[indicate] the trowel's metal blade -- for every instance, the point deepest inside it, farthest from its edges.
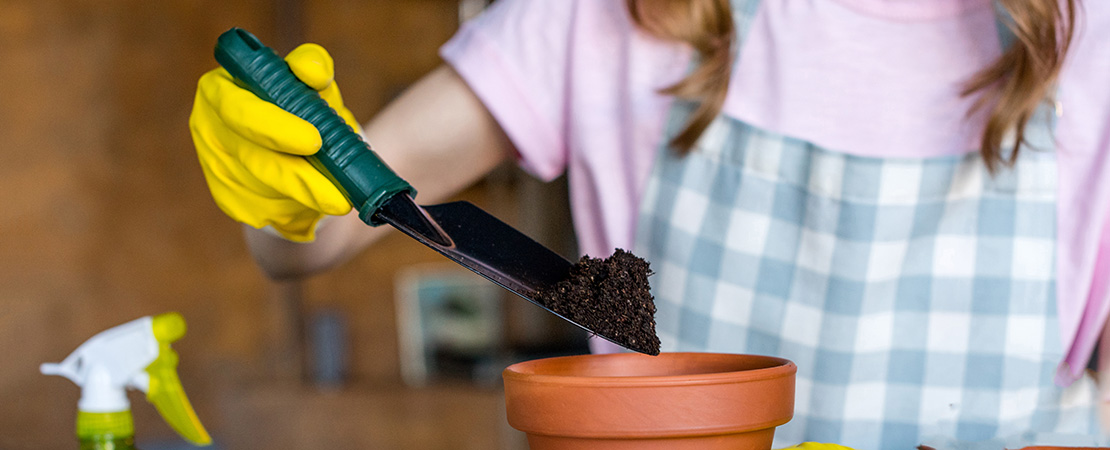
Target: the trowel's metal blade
(479, 241)
(491, 248)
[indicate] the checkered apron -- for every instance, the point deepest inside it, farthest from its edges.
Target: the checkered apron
(916, 296)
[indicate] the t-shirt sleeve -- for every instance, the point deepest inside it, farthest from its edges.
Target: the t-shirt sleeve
(515, 57)
(1083, 134)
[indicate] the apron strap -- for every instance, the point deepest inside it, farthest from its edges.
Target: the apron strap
(1040, 131)
(1005, 35)
(743, 14)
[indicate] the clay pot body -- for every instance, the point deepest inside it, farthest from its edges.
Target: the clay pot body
(673, 401)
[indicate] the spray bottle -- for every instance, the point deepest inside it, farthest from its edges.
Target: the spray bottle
(134, 355)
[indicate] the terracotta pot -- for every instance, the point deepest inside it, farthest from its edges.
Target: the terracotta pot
(703, 401)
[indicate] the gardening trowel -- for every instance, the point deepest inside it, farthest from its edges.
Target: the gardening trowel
(458, 230)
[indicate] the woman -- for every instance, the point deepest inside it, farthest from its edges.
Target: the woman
(882, 192)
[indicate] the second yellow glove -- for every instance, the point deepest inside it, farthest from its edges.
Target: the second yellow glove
(252, 151)
(817, 446)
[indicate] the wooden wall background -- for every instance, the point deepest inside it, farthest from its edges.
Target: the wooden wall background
(105, 217)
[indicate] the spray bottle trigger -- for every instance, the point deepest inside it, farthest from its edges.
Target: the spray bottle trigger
(165, 390)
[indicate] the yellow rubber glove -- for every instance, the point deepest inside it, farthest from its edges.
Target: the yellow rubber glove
(252, 151)
(816, 446)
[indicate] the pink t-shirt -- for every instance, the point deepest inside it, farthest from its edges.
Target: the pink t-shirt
(575, 86)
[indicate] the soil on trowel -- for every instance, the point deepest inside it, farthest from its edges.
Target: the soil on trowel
(610, 297)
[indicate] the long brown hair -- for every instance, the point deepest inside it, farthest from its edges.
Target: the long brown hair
(1011, 88)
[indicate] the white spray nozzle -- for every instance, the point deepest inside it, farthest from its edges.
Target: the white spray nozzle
(134, 355)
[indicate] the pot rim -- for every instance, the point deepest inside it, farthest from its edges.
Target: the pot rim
(782, 367)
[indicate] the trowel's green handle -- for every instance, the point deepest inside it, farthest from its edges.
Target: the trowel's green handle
(344, 158)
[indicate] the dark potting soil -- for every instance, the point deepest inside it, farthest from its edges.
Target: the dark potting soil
(610, 297)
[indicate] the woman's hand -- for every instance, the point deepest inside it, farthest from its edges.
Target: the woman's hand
(252, 151)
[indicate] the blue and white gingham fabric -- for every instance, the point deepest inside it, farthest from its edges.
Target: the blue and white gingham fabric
(916, 296)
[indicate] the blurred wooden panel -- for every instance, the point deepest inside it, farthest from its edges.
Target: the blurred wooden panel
(104, 215)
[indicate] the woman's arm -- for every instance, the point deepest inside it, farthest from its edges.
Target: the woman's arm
(437, 135)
